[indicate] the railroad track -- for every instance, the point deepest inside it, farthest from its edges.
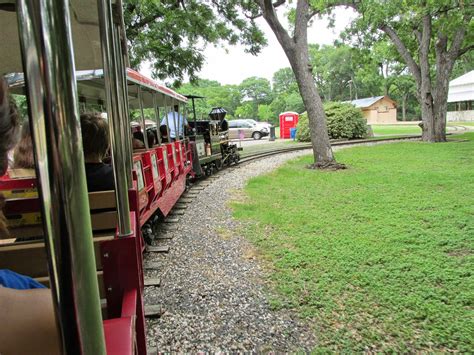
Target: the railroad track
(168, 228)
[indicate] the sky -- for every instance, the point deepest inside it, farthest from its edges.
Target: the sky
(233, 66)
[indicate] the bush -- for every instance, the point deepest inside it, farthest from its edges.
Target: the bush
(343, 120)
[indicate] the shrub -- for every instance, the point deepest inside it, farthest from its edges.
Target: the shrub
(302, 129)
(343, 120)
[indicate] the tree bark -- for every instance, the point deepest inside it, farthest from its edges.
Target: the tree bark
(296, 49)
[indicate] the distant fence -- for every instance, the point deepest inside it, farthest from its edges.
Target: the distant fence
(454, 116)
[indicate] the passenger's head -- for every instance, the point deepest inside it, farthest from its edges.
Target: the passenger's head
(95, 137)
(9, 125)
(150, 137)
(23, 155)
(176, 108)
(163, 130)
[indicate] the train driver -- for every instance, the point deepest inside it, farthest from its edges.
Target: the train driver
(175, 132)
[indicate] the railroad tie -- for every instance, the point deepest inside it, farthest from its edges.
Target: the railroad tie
(152, 282)
(177, 213)
(154, 311)
(152, 266)
(172, 220)
(157, 249)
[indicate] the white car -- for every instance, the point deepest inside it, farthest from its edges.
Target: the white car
(263, 126)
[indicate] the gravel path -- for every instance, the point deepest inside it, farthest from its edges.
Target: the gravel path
(213, 291)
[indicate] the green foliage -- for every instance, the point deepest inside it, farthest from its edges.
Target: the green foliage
(265, 113)
(284, 81)
(172, 35)
(22, 106)
(343, 121)
(226, 96)
(303, 134)
(246, 110)
(381, 255)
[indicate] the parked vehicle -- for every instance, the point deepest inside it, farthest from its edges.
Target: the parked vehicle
(239, 129)
(264, 125)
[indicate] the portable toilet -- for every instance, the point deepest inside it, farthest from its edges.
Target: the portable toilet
(288, 120)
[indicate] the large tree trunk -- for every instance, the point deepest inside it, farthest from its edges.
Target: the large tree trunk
(322, 150)
(296, 49)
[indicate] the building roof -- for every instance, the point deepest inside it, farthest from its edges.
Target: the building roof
(462, 88)
(363, 103)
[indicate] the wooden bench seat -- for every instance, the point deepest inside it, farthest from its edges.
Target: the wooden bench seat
(24, 216)
(28, 257)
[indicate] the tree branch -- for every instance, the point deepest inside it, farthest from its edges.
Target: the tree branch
(464, 50)
(301, 21)
(348, 3)
(403, 51)
(456, 43)
(275, 5)
(269, 14)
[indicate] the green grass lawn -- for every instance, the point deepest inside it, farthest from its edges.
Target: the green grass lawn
(378, 257)
(380, 130)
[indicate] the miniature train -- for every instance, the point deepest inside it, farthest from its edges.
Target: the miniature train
(88, 247)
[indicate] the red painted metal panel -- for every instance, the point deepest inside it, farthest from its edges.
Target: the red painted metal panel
(122, 263)
(129, 303)
(120, 336)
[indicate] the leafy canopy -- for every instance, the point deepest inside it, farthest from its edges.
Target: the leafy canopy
(172, 35)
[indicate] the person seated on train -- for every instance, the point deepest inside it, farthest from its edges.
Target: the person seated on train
(26, 311)
(164, 133)
(23, 152)
(150, 137)
(175, 132)
(95, 142)
(138, 141)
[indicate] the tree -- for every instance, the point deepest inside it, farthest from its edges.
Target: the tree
(171, 35)
(246, 110)
(284, 81)
(265, 113)
(256, 91)
(429, 37)
(215, 94)
(296, 50)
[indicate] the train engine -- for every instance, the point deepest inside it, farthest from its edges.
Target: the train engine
(213, 148)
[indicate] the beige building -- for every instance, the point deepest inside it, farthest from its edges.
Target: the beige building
(378, 109)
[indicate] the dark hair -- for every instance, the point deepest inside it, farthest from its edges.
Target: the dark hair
(163, 130)
(23, 154)
(95, 135)
(150, 137)
(9, 125)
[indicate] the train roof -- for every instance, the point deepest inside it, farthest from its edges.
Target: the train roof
(85, 36)
(91, 87)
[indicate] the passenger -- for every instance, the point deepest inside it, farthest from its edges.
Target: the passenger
(150, 137)
(95, 141)
(138, 141)
(23, 153)
(180, 120)
(25, 313)
(164, 134)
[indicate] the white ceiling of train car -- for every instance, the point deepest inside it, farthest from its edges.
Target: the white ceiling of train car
(85, 33)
